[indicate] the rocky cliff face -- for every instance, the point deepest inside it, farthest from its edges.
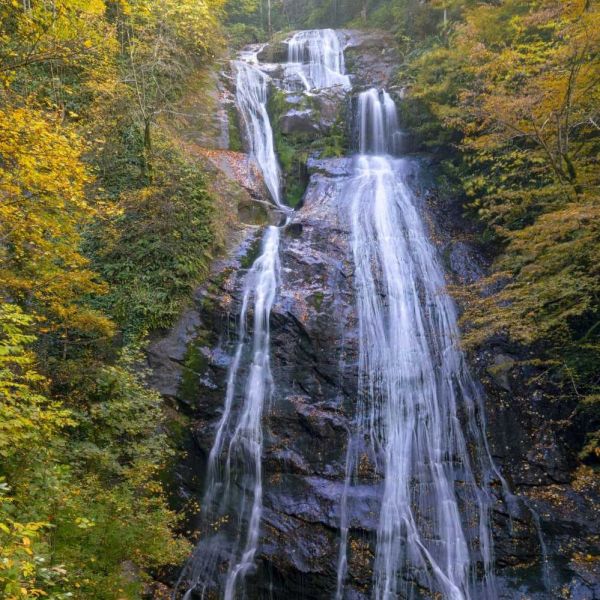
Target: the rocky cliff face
(314, 363)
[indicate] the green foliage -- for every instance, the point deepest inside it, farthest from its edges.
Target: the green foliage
(157, 246)
(507, 96)
(27, 418)
(116, 511)
(104, 225)
(92, 500)
(23, 557)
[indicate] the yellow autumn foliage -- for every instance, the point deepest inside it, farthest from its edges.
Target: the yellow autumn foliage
(44, 206)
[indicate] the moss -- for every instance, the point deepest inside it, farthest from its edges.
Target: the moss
(277, 104)
(292, 151)
(248, 259)
(295, 193)
(336, 143)
(235, 137)
(317, 300)
(295, 149)
(194, 363)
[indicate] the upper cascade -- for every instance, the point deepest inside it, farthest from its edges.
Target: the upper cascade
(251, 98)
(316, 59)
(378, 123)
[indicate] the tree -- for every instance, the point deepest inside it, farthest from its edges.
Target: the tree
(29, 423)
(161, 42)
(50, 36)
(542, 89)
(44, 206)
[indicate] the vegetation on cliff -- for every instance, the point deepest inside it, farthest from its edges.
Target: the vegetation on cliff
(105, 227)
(507, 95)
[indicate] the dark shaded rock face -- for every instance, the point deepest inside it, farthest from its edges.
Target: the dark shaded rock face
(298, 121)
(371, 57)
(314, 353)
(533, 446)
(314, 362)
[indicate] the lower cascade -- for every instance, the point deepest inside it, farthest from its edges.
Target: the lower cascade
(414, 385)
(234, 472)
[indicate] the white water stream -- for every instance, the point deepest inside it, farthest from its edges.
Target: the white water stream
(234, 472)
(251, 97)
(246, 436)
(234, 487)
(414, 389)
(316, 59)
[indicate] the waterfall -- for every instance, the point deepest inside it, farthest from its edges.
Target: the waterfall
(251, 98)
(234, 484)
(414, 388)
(378, 123)
(245, 445)
(234, 488)
(316, 58)
(418, 426)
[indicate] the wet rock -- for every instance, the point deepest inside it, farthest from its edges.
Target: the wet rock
(166, 355)
(298, 122)
(466, 262)
(202, 116)
(275, 52)
(330, 167)
(256, 213)
(500, 370)
(372, 57)
(328, 105)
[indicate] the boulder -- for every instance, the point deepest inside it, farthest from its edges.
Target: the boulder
(295, 122)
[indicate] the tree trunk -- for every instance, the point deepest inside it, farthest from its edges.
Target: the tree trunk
(147, 159)
(269, 22)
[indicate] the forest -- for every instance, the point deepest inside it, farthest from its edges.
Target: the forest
(111, 218)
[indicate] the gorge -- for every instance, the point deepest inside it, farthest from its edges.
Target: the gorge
(299, 299)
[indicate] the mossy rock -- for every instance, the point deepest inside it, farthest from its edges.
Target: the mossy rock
(253, 213)
(295, 145)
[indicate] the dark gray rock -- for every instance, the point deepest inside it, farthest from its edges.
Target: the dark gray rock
(298, 122)
(371, 57)
(327, 105)
(275, 52)
(465, 262)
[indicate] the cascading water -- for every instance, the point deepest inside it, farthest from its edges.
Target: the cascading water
(239, 436)
(378, 123)
(316, 58)
(234, 473)
(251, 98)
(414, 385)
